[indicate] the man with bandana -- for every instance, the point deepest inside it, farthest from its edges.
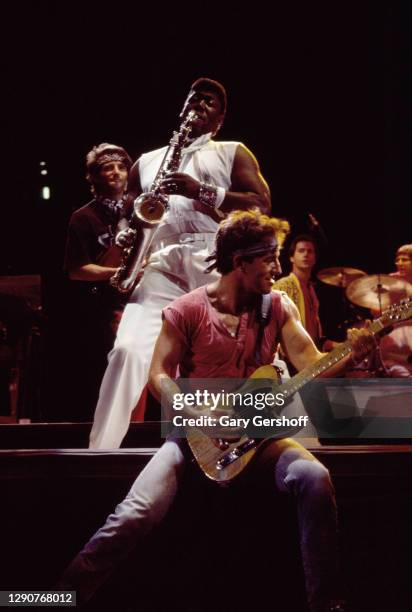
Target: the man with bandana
(213, 332)
(93, 227)
(94, 306)
(214, 178)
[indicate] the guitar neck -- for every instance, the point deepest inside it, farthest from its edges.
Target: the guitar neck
(326, 362)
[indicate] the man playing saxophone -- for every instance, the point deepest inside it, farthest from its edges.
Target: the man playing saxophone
(213, 178)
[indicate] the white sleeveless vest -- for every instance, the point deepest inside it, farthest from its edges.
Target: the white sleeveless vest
(207, 161)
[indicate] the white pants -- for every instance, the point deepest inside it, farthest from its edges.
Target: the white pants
(172, 271)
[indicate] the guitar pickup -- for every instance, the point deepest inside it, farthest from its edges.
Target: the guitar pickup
(234, 454)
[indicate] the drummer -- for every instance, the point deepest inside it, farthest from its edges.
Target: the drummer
(396, 347)
(403, 263)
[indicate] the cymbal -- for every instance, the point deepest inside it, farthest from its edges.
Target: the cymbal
(339, 277)
(378, 290)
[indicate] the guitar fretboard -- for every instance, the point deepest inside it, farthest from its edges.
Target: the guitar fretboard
(326, 362)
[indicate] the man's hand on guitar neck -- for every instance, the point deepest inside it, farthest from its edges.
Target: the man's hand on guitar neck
(362, 342)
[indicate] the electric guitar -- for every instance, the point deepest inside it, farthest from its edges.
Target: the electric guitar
(222, 465)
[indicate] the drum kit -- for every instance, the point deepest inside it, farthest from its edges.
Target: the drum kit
(376, 291)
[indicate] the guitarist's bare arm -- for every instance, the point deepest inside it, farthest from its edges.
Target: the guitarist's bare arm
(168, 352)
(302, 352)
(296, 342)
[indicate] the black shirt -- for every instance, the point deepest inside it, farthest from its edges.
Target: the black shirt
(91, 232)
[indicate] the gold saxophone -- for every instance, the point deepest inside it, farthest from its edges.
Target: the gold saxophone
(148, 211)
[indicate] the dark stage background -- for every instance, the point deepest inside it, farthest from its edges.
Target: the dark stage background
(318, 93)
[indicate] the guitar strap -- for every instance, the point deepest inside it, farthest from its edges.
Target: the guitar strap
(263, 318)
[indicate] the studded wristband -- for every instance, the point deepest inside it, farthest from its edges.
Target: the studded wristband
(208, 195)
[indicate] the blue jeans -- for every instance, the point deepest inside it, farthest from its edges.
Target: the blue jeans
(293, 469)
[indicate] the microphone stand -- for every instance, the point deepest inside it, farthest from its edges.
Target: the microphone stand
(316, 227)
(379, 291)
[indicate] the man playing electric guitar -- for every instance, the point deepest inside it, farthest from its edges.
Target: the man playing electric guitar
(215, 332)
